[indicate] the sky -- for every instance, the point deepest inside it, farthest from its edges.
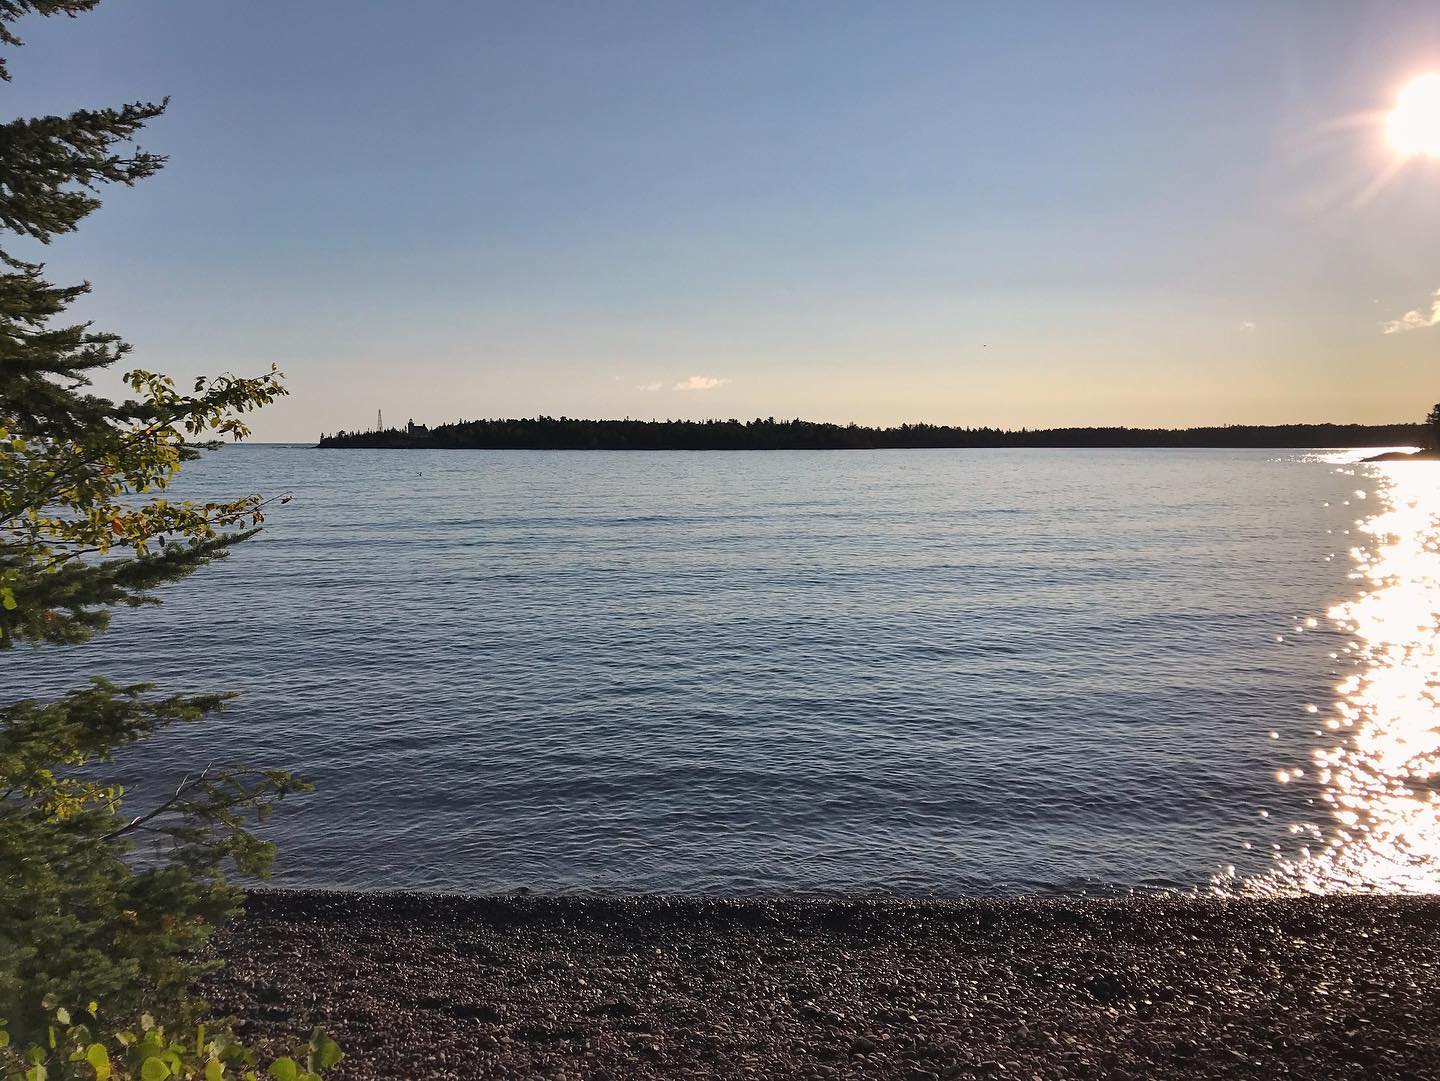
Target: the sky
(1017, 214)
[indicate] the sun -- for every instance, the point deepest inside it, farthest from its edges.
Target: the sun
(1414, 124)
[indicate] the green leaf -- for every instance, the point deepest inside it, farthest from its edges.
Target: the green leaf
(4, 1038)
(152, 1069)
(214, 1070)
(285, 1069)
(326, 1051)
(62, 1015)
(99, 1059)
(151, 1045)
(36, 1073)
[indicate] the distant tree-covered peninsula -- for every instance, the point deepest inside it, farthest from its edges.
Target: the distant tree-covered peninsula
(570, 433)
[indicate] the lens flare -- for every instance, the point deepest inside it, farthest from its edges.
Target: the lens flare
(1414, 124)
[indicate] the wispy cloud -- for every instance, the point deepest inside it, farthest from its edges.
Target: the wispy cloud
(1415, 319)
(650, 388)
(1247, 325)
(701, 382)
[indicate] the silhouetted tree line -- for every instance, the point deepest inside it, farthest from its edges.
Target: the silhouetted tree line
(568, 433)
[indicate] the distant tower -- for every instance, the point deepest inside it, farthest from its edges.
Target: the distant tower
(379, 421)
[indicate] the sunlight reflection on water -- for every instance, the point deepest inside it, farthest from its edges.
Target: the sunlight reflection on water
(1376, 764)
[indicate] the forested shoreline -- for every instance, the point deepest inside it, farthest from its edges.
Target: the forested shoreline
(568, 433)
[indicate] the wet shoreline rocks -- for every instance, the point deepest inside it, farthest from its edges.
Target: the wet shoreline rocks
(567, 988)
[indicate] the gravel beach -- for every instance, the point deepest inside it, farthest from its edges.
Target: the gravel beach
(429, 986)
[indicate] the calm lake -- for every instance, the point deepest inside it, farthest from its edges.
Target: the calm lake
(948, 672)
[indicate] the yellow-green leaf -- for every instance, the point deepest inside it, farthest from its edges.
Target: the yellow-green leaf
(99, 1060)
(325, 1050)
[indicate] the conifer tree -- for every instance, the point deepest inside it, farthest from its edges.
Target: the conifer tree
(85, 527)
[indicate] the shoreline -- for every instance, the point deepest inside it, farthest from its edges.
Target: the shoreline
(1277, 447)
(1406, 456)
(575, 433)
(602, 989)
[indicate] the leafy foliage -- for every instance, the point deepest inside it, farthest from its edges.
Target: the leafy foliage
(75, 918)
(85, 527)
(82, 1049)
(72, 461)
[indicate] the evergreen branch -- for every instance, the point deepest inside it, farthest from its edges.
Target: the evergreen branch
(10, 10)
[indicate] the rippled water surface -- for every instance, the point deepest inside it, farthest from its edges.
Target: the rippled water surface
(947, 672)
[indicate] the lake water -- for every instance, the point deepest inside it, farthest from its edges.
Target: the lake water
(947, 672)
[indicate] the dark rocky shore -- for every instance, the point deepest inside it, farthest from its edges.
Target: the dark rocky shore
(423, 986)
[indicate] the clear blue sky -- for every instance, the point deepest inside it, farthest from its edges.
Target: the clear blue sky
(1008, 213)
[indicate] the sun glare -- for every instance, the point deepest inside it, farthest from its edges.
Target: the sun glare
(1414, 124)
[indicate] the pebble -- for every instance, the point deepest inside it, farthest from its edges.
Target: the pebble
(423, 986)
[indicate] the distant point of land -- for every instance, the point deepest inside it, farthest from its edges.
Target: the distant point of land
(569, 433)
(1407, 456)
